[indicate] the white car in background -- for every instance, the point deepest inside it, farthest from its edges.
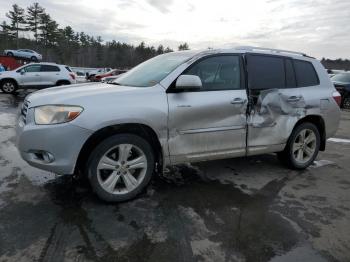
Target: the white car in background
(80, 76)
(36, 76)
(24, 53)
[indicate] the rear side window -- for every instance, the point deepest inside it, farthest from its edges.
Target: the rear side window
(32, 68)
(265, 72)
(49, 68)
(68, 69)
(305, 73)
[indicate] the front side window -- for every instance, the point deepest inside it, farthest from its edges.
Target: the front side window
(153, 70)
(32, 68)
(305, 73)
(265, 72)
(218, 72)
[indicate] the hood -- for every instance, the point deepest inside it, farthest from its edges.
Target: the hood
(81, 94)
(7, 73)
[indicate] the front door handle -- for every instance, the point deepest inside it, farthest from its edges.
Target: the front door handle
(294, 98)
(237, 101)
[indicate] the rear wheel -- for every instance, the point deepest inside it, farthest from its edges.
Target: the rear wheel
(9, 54)
(8, 86)
(120, 167)
(34, 59)
(302, 147)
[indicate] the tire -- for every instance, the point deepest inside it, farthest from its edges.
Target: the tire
(62, 83)
(110, 173)
(8, 86)
(346, 103)
(9, 54)
(34, 59)
(299, 153)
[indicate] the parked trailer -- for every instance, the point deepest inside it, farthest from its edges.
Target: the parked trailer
(11, 63)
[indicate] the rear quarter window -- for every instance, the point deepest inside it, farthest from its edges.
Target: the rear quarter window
(68, 69)
(305, 73)
(49, 68)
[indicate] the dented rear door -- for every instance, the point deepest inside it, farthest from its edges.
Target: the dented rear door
(275, 102)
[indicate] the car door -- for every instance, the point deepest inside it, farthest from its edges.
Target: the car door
(275, 102)
(22, 53)
(209, 123)
(30, 75)
(49, 74)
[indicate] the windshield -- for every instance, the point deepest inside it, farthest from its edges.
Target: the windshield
(153, 70)
(344, 78)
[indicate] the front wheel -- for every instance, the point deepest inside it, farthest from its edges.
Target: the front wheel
(302, 147)
(8, 87)
(120, 167)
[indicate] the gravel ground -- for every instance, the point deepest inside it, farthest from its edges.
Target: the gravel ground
(244, 209)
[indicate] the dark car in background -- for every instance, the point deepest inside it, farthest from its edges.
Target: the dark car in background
(342, 84)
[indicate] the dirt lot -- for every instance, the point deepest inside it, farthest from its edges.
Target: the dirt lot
(245, 209)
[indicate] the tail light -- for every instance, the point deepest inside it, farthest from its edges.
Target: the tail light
(337, 97)
(72, 76)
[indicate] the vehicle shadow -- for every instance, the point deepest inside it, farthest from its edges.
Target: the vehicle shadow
(186, 214)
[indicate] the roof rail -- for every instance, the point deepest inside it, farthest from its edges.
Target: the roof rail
(253, 48)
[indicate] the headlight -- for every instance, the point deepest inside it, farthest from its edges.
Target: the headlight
(56, 114)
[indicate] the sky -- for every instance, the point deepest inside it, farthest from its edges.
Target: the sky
(319, 28)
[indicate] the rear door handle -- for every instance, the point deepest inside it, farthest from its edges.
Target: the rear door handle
(237, 101)
(294, 98)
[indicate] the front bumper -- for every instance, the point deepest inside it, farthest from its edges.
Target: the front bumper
(61, 142)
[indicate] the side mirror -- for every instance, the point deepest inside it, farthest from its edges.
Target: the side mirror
(188, 82)
(22, 71)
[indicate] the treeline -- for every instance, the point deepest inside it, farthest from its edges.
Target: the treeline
(33, 28)
(339, 64)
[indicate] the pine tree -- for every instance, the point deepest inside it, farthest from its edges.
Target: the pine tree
(33, 18)
(183, 47)
(168, 50)
(68, 33)
(48, 30)
(17, 19)
(160, 49)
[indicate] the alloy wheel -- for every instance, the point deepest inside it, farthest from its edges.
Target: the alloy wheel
(304, 146)
(8, 87)
(122, 169)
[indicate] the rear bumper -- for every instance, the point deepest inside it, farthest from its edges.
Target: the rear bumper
(61, 142)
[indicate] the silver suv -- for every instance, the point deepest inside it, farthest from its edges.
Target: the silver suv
(36, 75)
(181, 107)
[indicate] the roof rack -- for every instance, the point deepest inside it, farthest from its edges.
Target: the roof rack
(253, 48)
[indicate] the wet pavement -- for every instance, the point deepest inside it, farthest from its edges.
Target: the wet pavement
(244, 209)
